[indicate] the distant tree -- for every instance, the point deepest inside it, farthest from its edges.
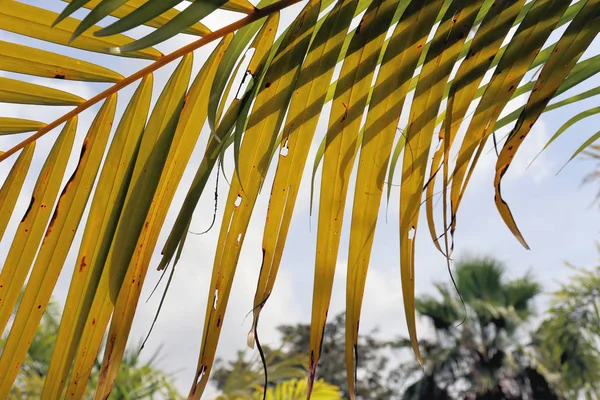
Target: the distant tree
(478, 355)
(374, 376)
(240, 378)
(244, 378)
(568, 340)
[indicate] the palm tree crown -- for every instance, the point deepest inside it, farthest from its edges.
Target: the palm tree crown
(478, 350)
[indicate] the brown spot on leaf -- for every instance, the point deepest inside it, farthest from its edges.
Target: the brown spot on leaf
(59, 76)
(82, 264)
(345, 113)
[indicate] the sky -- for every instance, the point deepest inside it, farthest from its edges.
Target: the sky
(555, 212)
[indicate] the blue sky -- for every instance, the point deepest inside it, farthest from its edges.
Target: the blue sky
(555, 213)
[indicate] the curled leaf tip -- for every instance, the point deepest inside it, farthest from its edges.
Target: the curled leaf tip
(504, 210)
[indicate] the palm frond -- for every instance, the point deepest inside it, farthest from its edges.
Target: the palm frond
(400, 50)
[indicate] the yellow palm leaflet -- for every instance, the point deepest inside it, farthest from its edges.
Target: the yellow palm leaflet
(241, 6)
(531, 34)
(263, 125)
(190, 15)
(55, 246)
(261, 59)
(393, 162)
(14, 91)
(262, 43)
(151, 157)
(190, 122)
(98, 234)
(11, 188)
(29, 60)
(9, 126)
(37, 23)
(303, 114)
(144, 13)
(130, 5)
(31, 228)
(350, 100)
(227, 89)
(578, 36)
(463, 89)
(440, 59)
(212, 153)
(389, 93)
(224, 74)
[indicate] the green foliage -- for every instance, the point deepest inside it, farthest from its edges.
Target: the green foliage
(568, 339)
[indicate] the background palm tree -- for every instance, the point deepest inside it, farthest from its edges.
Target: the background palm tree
(291, 86)
(480, 354)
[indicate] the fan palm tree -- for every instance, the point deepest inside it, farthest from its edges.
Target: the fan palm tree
(288, 86)
(479, 355)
